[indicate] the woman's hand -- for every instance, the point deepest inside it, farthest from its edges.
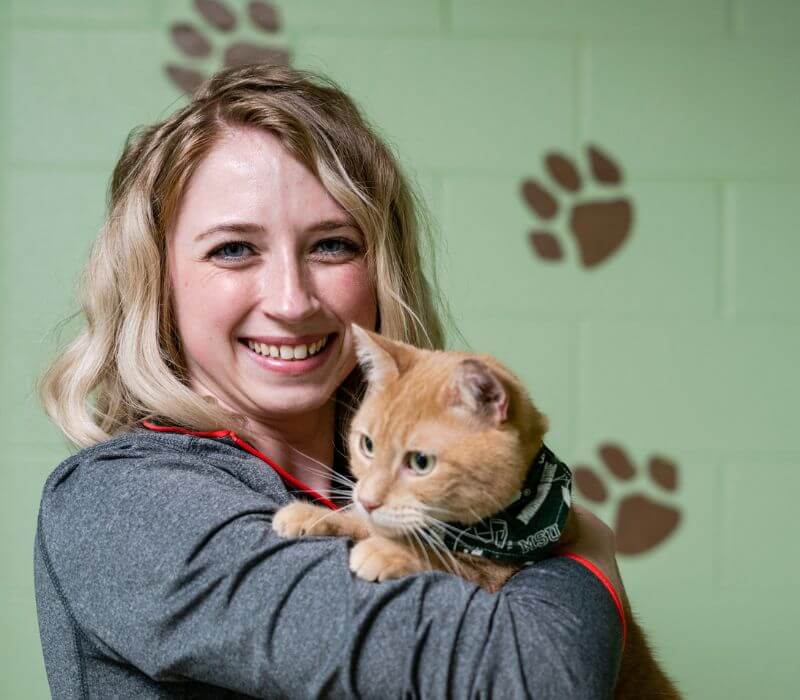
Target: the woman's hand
(596, 542)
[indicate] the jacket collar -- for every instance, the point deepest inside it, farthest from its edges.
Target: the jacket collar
(288, 478)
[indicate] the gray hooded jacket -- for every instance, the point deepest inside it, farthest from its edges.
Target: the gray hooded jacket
(157, 575)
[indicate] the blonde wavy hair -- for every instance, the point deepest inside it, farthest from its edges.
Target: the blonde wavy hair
(126, 363)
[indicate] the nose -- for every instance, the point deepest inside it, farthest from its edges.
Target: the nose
(368, 505)
(288, 291)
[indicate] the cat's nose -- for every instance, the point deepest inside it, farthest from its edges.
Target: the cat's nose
(369, 506)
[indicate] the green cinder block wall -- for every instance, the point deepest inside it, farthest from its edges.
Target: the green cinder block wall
(647, 294)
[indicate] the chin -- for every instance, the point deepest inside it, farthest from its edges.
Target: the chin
(291, 403)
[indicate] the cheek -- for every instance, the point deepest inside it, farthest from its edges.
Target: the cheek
(349, 293)
(432, 491)
(357, 462)
(207, 303)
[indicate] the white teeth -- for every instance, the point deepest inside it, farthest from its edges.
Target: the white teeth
(288, 352)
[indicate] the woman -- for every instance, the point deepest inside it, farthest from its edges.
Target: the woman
(244, 234)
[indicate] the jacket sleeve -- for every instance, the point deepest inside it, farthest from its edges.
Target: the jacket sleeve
(170, 565)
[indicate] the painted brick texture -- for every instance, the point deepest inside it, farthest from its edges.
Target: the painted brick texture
(679, 346)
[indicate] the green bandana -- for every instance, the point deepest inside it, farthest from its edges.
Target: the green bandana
(524, 531)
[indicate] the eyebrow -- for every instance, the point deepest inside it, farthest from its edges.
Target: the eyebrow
(246, 228)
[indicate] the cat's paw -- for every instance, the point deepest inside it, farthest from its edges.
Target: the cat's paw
(381, 559)
(298, 519)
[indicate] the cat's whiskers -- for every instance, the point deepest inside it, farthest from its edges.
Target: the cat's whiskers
(438, 546)
(340, 497)
(326, 471)
(447, 560)
(435, 538)
(343, 509)
(335, 478)
(421, 535)
(473, 514)
(438, 526)
(395, 518)
(432, 511)
(442, 525)
(457, 516)
(344, 493)
(492, 498)
(422, 548)
(349, 406)
(434, 526)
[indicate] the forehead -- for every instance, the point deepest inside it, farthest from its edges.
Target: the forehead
(415, 407)
(249, 175)
(401, 425)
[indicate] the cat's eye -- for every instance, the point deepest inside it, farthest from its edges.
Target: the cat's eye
(366, 445)
(420, 463)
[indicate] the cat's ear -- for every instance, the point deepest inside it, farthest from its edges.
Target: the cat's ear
(477, 388)
(378, 356)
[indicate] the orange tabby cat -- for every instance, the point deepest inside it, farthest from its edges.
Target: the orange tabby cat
(443, 441)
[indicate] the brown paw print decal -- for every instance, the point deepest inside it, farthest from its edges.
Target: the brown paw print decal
(599, 226)
(220, 23)
(640, 523)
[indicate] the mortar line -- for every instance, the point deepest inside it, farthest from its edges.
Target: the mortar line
(446, 17)
(726, 260)
(575, 384)
(583, 93)
(735, 19)
(5, 176)
(717, 516)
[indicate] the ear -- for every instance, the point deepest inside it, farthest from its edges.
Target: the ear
(477, 388)
(375, 357)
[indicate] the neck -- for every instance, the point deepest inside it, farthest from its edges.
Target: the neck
(302, 444)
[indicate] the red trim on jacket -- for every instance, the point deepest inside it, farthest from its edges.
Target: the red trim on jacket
(609, 587)
(286, 476)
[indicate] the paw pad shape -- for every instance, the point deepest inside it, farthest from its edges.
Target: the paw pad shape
(195, 42)
(600, 226)
(640, 523)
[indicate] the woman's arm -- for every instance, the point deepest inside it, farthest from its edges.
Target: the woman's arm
(169, 564)
(595, 542)
(640, 675)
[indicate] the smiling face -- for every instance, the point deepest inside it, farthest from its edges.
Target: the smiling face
(262, 258)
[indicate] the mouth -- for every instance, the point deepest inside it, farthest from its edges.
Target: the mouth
(389, 522)
(290, 359)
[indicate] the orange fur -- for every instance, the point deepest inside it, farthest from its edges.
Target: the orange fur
(474, 416)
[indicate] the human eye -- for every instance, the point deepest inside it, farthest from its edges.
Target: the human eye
(337, 248)
(232, 251)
